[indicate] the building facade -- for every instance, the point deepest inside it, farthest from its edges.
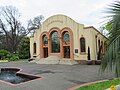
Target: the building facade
(61, 36)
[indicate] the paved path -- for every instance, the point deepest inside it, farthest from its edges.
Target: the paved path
(55, 77)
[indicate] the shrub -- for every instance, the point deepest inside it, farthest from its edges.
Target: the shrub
(4, 54)
(24, 48)
(13, 57)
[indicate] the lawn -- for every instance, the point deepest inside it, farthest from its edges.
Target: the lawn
(101, 85)
(3, 61)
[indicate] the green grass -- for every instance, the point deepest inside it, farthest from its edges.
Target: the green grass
(3, 61)
(101, 85)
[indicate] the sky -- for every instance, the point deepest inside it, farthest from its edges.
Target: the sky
(87, 12)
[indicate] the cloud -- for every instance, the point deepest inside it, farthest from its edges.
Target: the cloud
(88, 12)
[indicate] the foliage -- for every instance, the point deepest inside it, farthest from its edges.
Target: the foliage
(111, 59)
(101, 85)
(14, 57)
(35, 23)
(11, 28)
(24, 48)
(114, 20)
(108, 26)
(3, 54)
(89, 58)
(2, 46)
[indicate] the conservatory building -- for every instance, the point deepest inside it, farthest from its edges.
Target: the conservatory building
(60, 38)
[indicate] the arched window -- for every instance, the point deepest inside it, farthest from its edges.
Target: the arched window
(34, 48)
(55, 42)
(66, 37)
(45, 40)
(82, 44)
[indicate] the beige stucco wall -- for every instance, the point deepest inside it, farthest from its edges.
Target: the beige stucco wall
(62, 21)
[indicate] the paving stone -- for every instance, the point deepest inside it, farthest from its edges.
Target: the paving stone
(55, 77)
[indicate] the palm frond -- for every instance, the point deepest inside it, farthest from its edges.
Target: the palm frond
(111, 59)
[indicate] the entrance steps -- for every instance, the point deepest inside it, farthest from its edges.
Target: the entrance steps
(49, 60)
(55, 60)
(68, 61)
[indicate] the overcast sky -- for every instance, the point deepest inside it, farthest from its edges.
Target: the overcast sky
(88, 12)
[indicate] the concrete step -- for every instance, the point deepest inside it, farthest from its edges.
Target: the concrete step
(55, 60)
(49, 60)
(68, 62)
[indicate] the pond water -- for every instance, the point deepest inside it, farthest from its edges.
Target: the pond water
(11, 75)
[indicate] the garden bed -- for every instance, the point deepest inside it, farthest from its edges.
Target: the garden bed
(100, 85)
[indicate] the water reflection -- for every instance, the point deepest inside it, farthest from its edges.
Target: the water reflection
(11, 75)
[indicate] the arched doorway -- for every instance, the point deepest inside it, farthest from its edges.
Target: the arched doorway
(45, 46)
(57, 42)
(66, 44)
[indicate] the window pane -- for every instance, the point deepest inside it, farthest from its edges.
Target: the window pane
(55, 41)
(82, 45)
(45, 40)
(66, 37)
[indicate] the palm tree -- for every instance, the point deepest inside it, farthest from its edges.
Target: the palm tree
(111, 59)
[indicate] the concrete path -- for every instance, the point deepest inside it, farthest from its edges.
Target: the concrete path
(55, 77)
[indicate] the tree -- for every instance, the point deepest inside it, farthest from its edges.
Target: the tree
(24, 48)
(12, 29)
(89, 58)
(111, 59)
(35, 23)
(106, 28)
